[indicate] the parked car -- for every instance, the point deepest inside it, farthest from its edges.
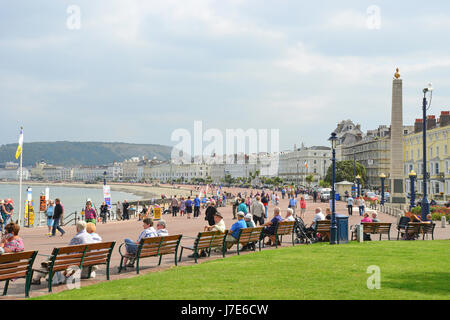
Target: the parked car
(372, 196)
(325, 195)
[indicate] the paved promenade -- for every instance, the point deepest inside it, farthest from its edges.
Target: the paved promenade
(35, 239)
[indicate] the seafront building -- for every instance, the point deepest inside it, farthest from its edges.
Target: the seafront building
(438, 164)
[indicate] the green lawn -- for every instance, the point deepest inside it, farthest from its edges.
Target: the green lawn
(409, 270)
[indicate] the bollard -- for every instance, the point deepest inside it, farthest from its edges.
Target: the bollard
(359, 233)
(443, 220)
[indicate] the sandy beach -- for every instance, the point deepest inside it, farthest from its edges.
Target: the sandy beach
(145, 191)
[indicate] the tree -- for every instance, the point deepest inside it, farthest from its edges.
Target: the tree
(324, 184)
(344, 172)
(309, 179)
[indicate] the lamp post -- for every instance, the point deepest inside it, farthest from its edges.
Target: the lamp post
(382, 177)
(412, 177)
(104, 178)
(333, 227)
(425, 206)
(358, 182)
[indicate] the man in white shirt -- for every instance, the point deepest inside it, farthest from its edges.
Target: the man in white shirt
(161, 228)
(131, 246)
(318, 217)
(219, 223)
(289, 215)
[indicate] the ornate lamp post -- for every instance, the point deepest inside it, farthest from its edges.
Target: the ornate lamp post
(412, 178)
(382, 177)
(425, 205)
(333, 227)
(358, 182)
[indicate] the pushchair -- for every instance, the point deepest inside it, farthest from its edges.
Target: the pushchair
(301, 232)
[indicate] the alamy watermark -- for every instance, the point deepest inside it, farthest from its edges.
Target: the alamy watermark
(373, 17)
(374, 281)
(73, 21)
(234, 146)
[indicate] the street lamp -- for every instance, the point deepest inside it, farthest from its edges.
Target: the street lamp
(104, 178)
(333, 227)
(382, 177)
(358, 182)
(412, 177)
(425, 206)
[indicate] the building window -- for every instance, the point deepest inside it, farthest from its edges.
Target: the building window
(437, 151)
(437, 167)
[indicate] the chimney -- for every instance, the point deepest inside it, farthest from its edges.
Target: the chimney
(418, 125)
(445, 118)
(431, 122)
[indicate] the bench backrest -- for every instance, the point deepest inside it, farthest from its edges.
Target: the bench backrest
(376, 227)
(16, 265)
(98, 253)
(323, 226)
(250, 234)
(210, 239)
(285, 227)
(155, 246)
(65, 257)
(428, 227)
(403, 222)
(413, 227)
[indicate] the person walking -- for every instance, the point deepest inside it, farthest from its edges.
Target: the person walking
(361, 205)
(119, 211)
(174, 204)
(90, 214)
(188, 204)
(49, 212)
(125, 206)
(196, 207)
(265, 202)
(57, 213)
(182, 207)
(293, 204)
(302, 207)
(258, 211)
(104, 212)
(350, 205)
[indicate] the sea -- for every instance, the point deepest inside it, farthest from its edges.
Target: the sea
(73, 199)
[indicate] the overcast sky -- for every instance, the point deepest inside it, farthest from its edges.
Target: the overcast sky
(134, 71)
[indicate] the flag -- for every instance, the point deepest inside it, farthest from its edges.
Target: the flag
(306, 164)
(19, 147)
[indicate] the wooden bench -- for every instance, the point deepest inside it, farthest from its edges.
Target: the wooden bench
(61, 259)
(206, 241)
(414, 229)
(377, 228)
(428, 228)
(249, 235)
(153, 247)
(98, 254)
(78, 256)
(284, 228)
(17, 265)
(322, 227)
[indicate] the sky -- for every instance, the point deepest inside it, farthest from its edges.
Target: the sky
(137, 70)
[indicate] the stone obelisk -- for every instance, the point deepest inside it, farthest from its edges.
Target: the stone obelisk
(396, 177)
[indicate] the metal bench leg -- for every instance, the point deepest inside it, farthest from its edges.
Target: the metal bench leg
(237, 247)
(5, 290)
(181, 253)
(137, 265)
(121, 263)
(160, 258)
(107, 270)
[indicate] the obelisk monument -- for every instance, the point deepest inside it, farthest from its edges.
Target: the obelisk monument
(396, 177)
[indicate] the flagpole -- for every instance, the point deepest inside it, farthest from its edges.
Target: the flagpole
(20, 183)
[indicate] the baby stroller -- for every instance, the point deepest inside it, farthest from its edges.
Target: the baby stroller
(303, 235)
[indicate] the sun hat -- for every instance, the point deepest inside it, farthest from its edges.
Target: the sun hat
(241, 214)
(248, 216)
(218, 214)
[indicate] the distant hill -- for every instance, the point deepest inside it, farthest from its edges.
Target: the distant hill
(82, 153)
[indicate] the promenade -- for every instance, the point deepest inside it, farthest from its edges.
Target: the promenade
(35, 239)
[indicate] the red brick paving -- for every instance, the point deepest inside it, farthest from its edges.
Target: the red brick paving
(35, 239)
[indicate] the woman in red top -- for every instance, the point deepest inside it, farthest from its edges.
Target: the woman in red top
(302, 207)
(11, 242)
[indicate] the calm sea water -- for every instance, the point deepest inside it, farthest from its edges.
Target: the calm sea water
(73, 199)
